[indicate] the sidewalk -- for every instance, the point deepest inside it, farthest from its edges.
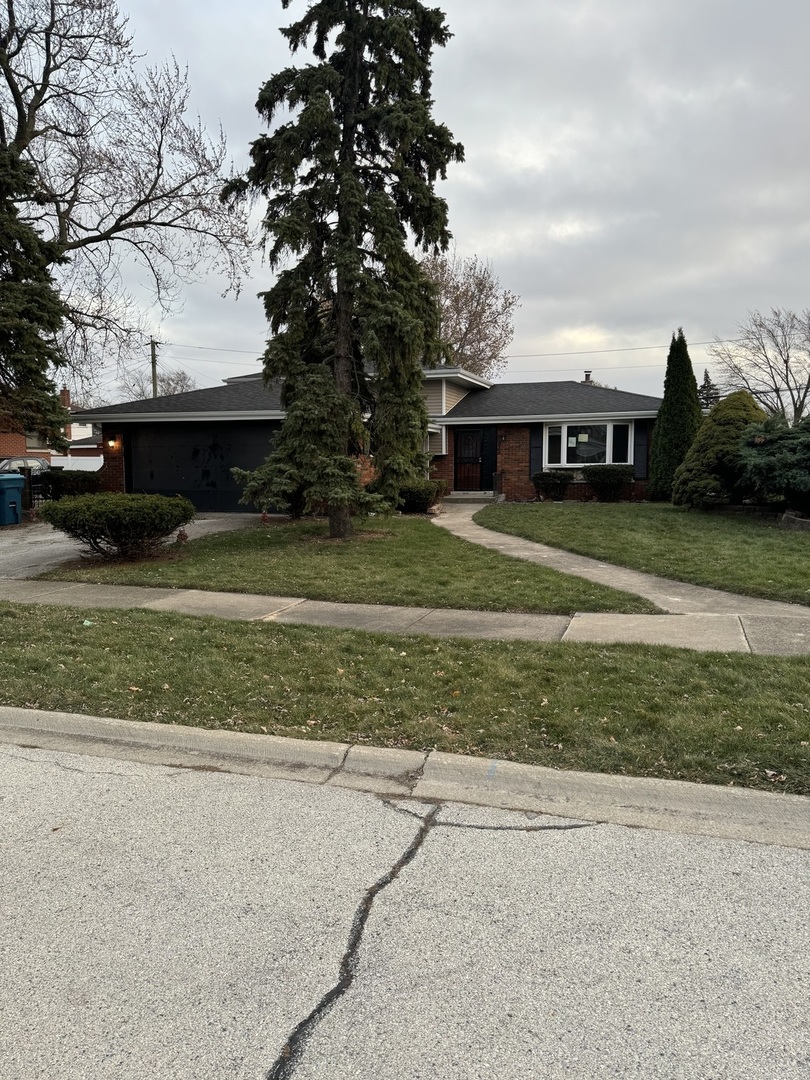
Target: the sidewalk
(696, 618)
(769, 635)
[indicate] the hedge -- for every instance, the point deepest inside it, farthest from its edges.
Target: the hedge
(121, 526)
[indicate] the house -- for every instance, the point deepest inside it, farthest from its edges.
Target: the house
(495, 437)
(84, 451)
(29, 444)
(481, 437)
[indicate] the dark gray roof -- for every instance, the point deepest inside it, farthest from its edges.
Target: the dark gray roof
(249, 396)
(550, 399)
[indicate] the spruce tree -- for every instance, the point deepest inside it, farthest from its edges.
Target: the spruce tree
(31, 314)
(678, 420)
(349, 180)
(708, 394)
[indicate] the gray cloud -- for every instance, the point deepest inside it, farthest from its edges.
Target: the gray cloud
(632, 165)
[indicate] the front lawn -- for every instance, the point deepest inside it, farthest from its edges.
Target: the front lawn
(394, 560)
(737, 554)
(626, 709)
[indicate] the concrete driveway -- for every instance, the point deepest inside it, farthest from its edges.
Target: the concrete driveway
(173, 922)
(29, 550)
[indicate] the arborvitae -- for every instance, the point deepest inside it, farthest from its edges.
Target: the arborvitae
(708, 394)
(712, 471)
(678, 420)
(349, 182)
(31, 314)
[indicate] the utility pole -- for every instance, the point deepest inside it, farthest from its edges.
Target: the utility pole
(153, 347)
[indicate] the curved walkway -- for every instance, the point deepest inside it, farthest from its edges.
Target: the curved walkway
(673, 597)
(694, 618)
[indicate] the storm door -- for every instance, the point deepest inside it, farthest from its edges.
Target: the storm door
(475, 458)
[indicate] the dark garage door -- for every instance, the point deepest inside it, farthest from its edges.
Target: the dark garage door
(195, 460)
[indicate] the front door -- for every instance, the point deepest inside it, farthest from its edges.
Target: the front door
(475, 458)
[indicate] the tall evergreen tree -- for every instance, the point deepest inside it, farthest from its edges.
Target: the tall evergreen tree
(678, 420)
(349, 182)
(31, 314)
(708, 394)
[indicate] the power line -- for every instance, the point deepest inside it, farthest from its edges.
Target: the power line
(209, 348)
(595, 352)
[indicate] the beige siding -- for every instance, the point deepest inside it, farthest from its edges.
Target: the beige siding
(454, 395)
(433, 396)
(435, 443)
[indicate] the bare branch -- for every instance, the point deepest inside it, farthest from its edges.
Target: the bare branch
(120, 164)
(476, 313)
(771, 360)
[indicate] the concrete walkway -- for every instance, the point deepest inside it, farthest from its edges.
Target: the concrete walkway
(772, 635)
(703, 619)
(673, 597)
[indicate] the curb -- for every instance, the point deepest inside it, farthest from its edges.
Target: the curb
(669, 805)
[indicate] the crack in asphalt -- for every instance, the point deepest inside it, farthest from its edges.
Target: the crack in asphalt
(290, 1055)
(287, 1061)
(567, 827)
(59, 764)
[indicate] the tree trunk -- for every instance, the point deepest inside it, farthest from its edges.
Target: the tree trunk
(340, 522)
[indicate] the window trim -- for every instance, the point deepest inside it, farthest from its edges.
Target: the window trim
(579, 422)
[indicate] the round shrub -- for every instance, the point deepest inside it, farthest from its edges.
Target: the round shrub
(116, 525)
(417, 496)
(711, 473)
(608, 481)
(553, 483)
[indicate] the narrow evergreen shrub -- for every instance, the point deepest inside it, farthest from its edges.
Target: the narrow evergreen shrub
(553, 483)
(678, 421)
(55, 484)
(776, 463)
(608, 481)
(116, 525)
(712, 472)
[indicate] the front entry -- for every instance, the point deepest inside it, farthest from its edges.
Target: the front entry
(476, 458)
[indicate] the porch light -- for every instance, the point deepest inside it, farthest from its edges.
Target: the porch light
(112, 442)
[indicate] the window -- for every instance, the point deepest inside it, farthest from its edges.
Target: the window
(588, 444)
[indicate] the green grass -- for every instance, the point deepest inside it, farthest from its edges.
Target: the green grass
(405, 561)
(737, 554)
(632, 710)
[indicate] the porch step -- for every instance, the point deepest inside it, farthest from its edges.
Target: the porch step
(472, 497)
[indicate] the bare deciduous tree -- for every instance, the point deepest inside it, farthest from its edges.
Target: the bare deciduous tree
(137, 385)
(476, 313)
(771, 360)
(123, 173)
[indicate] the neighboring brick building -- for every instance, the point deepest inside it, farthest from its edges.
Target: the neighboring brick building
(482, 436)
(29, 444)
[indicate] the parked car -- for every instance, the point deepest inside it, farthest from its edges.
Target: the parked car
(14, 464)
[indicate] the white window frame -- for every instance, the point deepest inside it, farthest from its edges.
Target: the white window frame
(564, 425)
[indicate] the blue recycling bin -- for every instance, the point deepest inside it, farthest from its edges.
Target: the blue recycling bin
(11, 496)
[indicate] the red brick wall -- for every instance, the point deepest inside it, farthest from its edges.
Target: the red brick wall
(513, 462)
(12, 445)
(513, 465)
(442, 467)
(111, 474)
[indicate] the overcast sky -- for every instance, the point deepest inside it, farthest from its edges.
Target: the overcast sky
(631, 166)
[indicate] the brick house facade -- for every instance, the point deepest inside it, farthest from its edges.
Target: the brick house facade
(482, 436)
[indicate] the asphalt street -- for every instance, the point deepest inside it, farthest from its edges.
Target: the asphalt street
(164, 921)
